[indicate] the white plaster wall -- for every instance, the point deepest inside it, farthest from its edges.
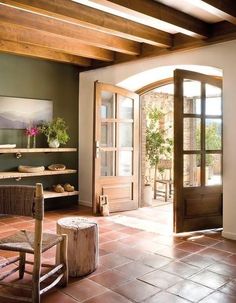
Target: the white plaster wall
(221, 56)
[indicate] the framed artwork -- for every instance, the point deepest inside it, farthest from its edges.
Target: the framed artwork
(19, 113)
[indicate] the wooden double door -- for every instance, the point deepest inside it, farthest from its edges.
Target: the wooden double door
(197, 150)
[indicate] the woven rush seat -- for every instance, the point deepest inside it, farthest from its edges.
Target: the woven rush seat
(24, 241)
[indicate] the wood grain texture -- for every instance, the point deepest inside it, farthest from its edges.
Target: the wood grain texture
(82, 245)
(95, 19)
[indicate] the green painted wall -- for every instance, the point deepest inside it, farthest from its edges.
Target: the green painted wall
(38, 79)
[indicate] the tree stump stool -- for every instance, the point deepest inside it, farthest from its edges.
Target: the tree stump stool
(82, 244)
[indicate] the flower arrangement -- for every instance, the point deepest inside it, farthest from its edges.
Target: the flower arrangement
(32, 132)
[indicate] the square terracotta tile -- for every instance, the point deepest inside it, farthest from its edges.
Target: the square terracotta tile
(165, 297)
(156, 261)
(149, 245)
(210, 279)
(83, 290)
(115, 235)
(109, 297)
(168, 240)
(203, 240)
(227, 245)
(134, 269)
(215, 254)
(190, 291)
(181, 269)
(231, 260)
(132, 253)
(218, 297)
(229, 288)
(137, 291)
(113, 260)
(131, 231)
(173, 252)
(56, 296)
(161, 279)
(223, 269)
(111, 278)
(198, 260)
(190, 247)
(113, 246)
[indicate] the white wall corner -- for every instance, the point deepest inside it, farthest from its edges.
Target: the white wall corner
(229, 235)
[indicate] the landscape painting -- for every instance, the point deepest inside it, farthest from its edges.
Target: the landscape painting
(19, 113)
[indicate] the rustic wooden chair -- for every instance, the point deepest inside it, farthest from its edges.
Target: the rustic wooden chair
(167, 182)
(28, 201)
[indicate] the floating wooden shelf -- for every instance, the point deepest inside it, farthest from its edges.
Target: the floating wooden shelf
(36, 150)
(52, 194)
(16, 175)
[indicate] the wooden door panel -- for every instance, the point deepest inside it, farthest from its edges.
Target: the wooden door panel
(118, 192)
(206, 222)
(198, 196)
(204, 205)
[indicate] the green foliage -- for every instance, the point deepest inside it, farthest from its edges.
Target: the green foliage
(56, 129)
(212, 142)
(157, 144)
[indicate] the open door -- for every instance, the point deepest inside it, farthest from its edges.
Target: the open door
(116, 147)
(197, 151)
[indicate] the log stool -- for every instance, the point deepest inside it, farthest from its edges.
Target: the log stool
(82, 244)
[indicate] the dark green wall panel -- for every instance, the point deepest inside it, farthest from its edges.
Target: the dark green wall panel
(38, 79)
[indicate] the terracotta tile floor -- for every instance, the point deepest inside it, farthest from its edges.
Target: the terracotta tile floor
(142, 261)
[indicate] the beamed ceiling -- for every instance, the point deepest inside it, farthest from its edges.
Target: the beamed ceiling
(96, 33)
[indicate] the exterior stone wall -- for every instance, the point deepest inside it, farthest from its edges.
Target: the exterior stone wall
(164, 102)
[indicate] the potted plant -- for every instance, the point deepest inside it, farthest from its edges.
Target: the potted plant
(147, 192)
(158, 145)
(56, 132)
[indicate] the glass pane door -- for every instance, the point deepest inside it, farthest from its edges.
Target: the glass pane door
(116, 146)
(197, 151)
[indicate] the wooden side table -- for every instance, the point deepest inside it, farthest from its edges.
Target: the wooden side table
(82, 244)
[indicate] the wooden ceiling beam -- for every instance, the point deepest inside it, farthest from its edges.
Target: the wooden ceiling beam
(98, 39)
(28, 50)
(153, 10)
(221, 32)
(226, 9)
(88, 17)
(67, 45)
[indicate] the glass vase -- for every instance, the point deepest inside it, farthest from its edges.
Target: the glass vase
(34, 141)
(28, 141)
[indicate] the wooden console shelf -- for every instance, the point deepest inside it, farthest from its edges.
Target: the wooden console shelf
(16, 175)
(36, 150)
(51, 194)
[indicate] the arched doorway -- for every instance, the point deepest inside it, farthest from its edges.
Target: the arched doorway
(201, 124)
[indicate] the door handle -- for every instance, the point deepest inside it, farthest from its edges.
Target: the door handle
(97, 149)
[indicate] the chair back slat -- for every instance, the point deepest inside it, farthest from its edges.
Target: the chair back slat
(20, 200)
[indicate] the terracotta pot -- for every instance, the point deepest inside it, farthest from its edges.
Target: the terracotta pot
(147, 195)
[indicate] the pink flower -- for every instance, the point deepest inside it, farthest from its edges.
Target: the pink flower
(32, 131)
